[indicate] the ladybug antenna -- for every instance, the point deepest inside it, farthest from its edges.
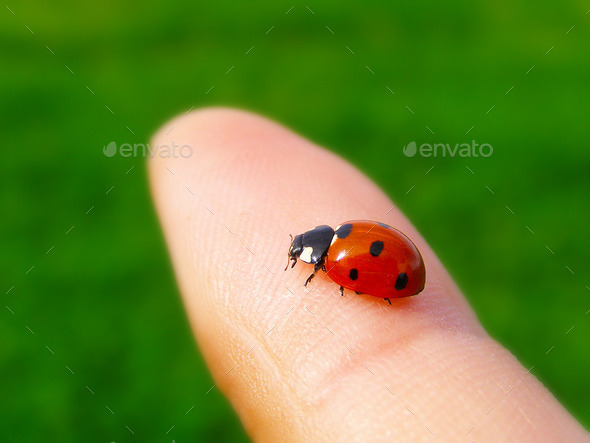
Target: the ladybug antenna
(289, 255)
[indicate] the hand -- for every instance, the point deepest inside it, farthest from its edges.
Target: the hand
(304, 364)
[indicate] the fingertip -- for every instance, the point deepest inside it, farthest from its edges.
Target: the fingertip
(293, 359)
(227, 211)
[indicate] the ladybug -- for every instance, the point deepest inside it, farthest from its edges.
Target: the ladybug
(364, 256)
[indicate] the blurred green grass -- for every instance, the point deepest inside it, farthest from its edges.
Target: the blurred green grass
(104, 300)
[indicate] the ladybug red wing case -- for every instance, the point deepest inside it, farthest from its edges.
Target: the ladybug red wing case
(375, 259)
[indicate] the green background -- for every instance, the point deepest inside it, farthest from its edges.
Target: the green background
(103, 301)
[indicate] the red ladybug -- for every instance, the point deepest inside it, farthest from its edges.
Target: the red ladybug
(365, 256)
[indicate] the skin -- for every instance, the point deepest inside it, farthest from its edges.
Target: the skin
(304, 364)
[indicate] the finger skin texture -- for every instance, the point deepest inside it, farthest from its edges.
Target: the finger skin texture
(305, 364)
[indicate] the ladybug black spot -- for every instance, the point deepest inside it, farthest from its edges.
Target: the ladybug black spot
(402, 281)
(344, 230)
(354, 274)
(376, 248)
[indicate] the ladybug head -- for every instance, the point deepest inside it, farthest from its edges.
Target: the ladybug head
(295, 249)
(311, 246)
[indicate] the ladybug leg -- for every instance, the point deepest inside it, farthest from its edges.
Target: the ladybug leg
(316, 268)
(388, 300)
(358, 293)
(289, 262)
(341, 291)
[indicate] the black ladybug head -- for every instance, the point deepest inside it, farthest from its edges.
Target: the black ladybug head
(296, 248)
(311, 246)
